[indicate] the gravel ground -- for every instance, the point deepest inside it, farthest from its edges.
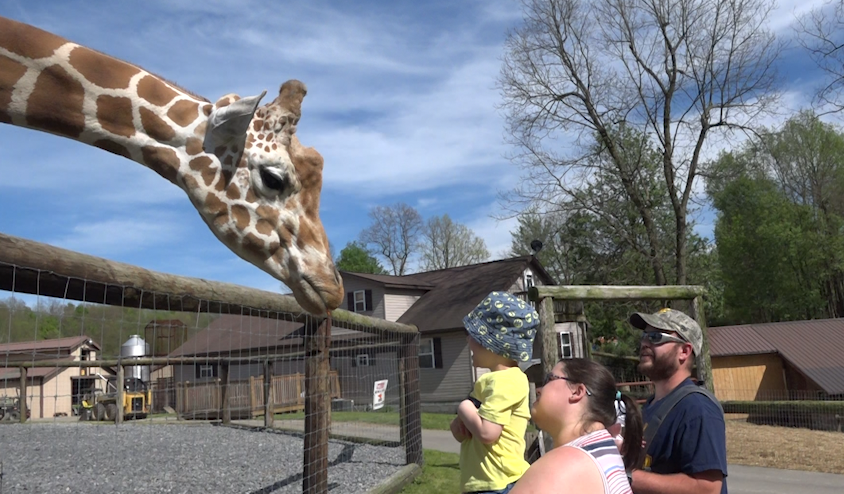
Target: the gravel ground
(202, 458)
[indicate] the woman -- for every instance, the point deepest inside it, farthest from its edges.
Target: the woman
(575, 406)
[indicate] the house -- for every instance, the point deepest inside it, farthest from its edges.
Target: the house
(778, 361)
(164, 336)
(50, 391)
(436, 302)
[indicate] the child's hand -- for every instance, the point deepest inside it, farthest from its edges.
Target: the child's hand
(459, 430)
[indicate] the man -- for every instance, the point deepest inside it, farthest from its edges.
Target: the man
(688, 453)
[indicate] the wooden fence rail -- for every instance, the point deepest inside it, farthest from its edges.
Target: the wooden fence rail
(246, 398)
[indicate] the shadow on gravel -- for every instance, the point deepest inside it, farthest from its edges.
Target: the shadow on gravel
(343, 457)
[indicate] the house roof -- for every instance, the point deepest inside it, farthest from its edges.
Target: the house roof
(165, 323)
(236, 335)
(44, 373)
(458, 290)
(815, 347)
(46, 348)
(390, 281)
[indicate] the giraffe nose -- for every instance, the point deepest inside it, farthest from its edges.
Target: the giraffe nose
(337, 277)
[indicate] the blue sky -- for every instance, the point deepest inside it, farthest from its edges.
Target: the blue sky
(401, 103)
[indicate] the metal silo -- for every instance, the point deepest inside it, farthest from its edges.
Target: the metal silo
(135, 347)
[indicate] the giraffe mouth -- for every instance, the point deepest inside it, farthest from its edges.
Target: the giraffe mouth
(311, 298)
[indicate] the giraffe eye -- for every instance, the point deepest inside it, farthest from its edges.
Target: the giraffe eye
(272, 180)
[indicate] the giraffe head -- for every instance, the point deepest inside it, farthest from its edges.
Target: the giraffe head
(263, 191)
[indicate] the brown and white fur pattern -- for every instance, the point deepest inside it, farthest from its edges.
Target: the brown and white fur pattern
(241, 165)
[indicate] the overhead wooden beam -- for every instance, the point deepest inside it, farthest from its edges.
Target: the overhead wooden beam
(602, 292)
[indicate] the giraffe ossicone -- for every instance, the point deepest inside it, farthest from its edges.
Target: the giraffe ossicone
(241, 165)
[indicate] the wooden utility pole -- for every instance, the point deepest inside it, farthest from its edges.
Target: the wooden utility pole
(317, 403)
(269, 406)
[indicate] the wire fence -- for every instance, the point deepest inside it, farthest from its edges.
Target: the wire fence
(90, 343)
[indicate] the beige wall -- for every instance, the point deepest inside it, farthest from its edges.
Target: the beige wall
(454, 381)
(748, 377)
(352, 284)
(396, 302)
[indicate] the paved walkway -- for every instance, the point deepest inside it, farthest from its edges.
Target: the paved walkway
(742, 479)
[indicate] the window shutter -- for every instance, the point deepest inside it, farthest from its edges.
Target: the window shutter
(354, 360)
(367, 295)
(350, 301)
(438, 353)
(196, 370)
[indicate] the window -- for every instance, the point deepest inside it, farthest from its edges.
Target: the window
(566, 350)
(528, 280)
(362, 360)
(205, 371)
(360, 301)
(427, 357)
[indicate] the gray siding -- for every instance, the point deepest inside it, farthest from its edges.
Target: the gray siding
(353, 284)
(397, 302)
(454, 381)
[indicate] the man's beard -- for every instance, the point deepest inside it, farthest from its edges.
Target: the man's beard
(661, 367)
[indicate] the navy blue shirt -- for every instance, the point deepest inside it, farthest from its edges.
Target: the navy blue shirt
(691, 439)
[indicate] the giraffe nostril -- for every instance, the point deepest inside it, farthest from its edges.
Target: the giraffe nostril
(337, 275)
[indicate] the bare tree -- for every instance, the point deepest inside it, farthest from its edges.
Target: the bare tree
(393, 234)
(580, 73)
(447, 244)
(821, 32)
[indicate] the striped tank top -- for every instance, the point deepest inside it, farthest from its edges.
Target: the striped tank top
(601, 447)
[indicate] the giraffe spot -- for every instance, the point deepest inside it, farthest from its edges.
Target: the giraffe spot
(155, 91)
(219, 150)
(229, 160)
(233, 193)
(216, 208)
(102, 70)
(268, 214)
(193, 146)
(253, 242)
(162, 161)
(28, 41)
(199, 131)
(207, 109)
(274, 146)
(224, 101)
(241, 216)
(227, 176)
(46, 111)
(264, 227)
(248, 145)
(113, 147)
(235, 149)
(115, 115)
(267, 149)
(183, 113)
(260, 137)
(256, 125)
(200, 163)
(250, 196)
(12, 71)
(155, 127)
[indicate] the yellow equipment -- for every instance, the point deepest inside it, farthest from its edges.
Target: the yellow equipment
(102, 404)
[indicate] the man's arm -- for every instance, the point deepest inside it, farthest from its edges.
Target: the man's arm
(708, 482)
(485, 431)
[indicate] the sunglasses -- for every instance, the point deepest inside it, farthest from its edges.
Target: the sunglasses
(551, 377)
(658, 338)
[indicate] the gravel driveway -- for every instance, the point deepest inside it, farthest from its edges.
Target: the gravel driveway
(150, 458)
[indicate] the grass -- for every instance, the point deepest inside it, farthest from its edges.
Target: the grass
(441, 473)
(432, 421)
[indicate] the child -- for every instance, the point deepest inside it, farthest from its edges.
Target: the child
(491, 422)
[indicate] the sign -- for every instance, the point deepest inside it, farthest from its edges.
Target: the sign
(379, 394)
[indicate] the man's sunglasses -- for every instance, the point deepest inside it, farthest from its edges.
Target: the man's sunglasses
(658, 338)
(551, 377)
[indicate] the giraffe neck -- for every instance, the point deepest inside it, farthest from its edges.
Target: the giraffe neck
(52, 85)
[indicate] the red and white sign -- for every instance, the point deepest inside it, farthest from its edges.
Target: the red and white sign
(379, 394)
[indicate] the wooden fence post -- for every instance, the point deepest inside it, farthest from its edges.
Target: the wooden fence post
(118, 419)
(317, 420)
(703, 362)
(410, 399)
(269, 405)
(547, 334)
(224, 393)
(23, 395)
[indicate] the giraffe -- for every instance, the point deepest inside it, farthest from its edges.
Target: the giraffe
(241, 165)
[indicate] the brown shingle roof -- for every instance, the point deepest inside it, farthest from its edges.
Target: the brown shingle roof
(390, 281)
(233, 335)
(737, 340)
(458, 290)
(815, 348)
(45, 348)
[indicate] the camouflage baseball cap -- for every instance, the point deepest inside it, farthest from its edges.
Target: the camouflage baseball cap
(671, 320)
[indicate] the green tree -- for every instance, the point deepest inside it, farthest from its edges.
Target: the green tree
(446, 244)
(579, 73)
(356, 259)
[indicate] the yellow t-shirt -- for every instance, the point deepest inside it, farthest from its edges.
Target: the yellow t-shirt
(504, 401)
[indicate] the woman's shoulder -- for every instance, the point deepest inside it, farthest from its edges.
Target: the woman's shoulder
(566, 465)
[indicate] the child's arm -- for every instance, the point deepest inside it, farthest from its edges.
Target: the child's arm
(459, 430)
(485, 431)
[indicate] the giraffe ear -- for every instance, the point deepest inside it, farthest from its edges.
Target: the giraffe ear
(230, 122)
